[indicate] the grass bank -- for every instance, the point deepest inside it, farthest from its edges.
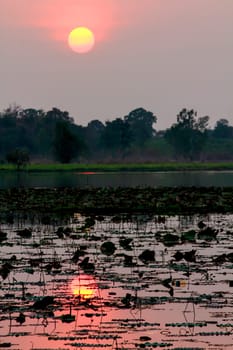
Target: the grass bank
(127, 167)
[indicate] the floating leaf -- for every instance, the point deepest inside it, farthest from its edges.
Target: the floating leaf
(43, 303)
(108, 248)
(125, 243)
(25, 233)
(208, 234)
(170, 240)
(147, 256)
(3, 236)
(188, 236)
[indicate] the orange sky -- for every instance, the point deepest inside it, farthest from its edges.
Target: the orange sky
(58, 17)
(162, 55)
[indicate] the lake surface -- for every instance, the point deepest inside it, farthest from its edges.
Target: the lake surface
(154, 179)
(120, 282)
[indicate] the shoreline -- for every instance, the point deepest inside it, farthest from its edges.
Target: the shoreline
(117, 167)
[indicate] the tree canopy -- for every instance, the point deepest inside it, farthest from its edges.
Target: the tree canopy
(140, 124)
(54, 135)
(188, 135)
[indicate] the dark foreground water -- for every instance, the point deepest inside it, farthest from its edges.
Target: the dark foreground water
(123, 282)
(133, 179)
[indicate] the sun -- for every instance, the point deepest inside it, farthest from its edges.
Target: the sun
(81, 40)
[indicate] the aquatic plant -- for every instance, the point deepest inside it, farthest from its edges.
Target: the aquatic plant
(25, 233)
(43, 303)
(147, 256)
(170, 240)
(3, 236)
(108, 248)
(207, 234)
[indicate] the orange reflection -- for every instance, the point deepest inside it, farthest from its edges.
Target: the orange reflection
(84, 287)
(88, 172)
(179, 283)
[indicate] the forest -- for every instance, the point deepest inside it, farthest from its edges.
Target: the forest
(35, 135)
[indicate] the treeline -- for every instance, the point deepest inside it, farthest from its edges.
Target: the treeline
(37, 135)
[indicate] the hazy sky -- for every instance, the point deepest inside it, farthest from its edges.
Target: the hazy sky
(161, 55)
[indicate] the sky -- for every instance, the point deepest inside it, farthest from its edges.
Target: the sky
(161, 55)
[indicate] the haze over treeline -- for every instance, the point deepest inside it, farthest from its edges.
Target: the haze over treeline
(52, 135)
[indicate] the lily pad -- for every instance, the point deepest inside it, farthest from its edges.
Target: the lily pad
(108, 248)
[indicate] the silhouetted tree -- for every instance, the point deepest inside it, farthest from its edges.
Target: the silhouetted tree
(56, 115)
(93, 133)
(223, 129)
(18, 157)
(66, 144)
(140, 124)
(48, 129)
(188, 135)
(133, 136)
(116, 136)
(13, 111)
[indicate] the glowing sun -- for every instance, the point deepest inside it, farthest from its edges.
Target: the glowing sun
(81, 40)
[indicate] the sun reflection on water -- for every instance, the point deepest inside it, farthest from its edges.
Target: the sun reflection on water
(84, 287)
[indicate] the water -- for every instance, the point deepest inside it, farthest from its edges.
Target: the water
(117, 299)
(154, 179)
